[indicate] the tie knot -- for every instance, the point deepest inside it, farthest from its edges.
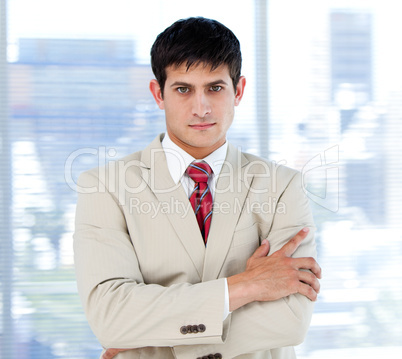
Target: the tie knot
(199, 171)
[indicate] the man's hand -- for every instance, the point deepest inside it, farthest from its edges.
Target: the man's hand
(268, 278)
(111, 353)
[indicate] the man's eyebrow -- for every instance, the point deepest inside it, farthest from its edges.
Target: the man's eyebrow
(217, 82)
(181, 84)
(209, 84)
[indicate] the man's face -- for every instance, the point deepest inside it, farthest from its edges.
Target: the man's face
(199, 106)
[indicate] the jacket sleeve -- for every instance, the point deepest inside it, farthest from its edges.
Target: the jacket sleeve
(262, 326)
(122, 310)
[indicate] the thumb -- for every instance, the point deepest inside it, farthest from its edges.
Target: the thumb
(262, 250)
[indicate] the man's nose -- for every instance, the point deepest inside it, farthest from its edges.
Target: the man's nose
(201, 105)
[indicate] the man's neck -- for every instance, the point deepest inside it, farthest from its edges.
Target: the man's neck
(197, 152)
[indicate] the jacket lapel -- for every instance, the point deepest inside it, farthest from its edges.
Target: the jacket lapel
(230, 194)
(181, 214)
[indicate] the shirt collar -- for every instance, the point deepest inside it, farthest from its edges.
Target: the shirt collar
(178, 160)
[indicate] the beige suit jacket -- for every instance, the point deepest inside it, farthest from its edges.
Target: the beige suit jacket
(143, 272)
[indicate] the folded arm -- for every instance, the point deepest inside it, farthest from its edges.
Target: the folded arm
(124, 312)
(273, 299)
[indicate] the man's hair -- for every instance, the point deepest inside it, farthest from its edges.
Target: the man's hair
(194, 41)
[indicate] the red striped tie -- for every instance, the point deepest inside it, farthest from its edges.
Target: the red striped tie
(201, 198)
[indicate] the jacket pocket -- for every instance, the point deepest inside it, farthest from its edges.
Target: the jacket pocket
(245, 236)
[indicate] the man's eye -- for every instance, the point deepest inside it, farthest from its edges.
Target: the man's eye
(216, 88)
(183, 89)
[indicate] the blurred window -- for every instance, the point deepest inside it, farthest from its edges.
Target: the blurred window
(323, 95)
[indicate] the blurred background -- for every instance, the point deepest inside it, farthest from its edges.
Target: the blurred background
(323, 95)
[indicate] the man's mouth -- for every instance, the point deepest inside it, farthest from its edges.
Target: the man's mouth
(202, 126)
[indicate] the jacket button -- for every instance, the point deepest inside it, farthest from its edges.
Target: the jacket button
(183, 330)
(194, 329)
(189, 328)
(201, 328)
(218, 356)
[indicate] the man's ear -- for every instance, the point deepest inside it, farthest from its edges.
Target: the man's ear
(240, 90)
(157, 93)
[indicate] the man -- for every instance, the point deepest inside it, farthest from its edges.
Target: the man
(158, 279)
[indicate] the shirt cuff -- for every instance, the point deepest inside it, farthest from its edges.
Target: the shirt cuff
(226, 311)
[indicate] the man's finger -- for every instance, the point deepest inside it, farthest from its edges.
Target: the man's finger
(308, 263)
(262, 250)
(307, 291)
(289, 248)
(310, 279)
(110, 353)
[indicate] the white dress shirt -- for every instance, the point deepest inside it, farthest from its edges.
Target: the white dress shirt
(178, 160)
